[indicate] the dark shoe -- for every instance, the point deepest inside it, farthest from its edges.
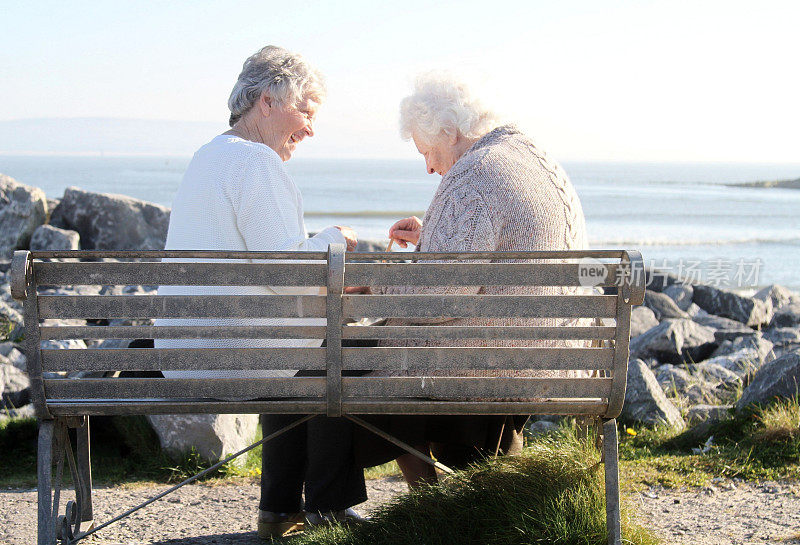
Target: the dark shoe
(346, 517)
(272, 525)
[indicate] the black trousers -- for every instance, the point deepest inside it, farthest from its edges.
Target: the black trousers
(317, 454)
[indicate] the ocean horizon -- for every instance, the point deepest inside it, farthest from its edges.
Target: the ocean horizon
(682, 216)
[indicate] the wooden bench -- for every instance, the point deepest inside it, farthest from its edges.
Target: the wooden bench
(66, 403)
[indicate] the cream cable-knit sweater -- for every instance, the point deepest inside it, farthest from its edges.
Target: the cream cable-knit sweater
(237, 195)
(503, 194)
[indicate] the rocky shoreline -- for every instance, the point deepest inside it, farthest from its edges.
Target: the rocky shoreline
(696, 351)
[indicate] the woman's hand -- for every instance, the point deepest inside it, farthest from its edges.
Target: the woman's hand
(350, 237)
(405, 231)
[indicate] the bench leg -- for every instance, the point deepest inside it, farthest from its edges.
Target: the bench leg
(46, 525)
(84, 486)
(611, 465)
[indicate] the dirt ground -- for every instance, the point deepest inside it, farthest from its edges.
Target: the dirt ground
(726, 513)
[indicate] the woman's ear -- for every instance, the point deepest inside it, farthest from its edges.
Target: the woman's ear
(265, 103)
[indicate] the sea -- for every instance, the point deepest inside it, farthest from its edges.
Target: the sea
(692, 219)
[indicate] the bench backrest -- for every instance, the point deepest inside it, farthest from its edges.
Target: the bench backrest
(605, 321)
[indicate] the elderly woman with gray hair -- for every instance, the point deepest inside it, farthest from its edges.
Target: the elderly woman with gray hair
(498, 192)
(237, 195)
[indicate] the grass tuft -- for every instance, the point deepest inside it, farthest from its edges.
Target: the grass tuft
(552, 493)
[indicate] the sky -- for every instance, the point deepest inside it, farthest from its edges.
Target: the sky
(589, 80)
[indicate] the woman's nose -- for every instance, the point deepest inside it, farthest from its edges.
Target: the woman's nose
(309, 128)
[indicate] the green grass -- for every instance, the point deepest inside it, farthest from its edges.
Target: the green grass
(763, 443)
(552, 493)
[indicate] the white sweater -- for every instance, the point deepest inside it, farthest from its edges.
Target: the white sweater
(236, 195)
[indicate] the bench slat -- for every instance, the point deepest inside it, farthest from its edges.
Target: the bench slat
(184, 388)
(476, 388)
(359, 406)
(465, 306)
(173, 359)
(181, 274)
(477, 332)
(479, 358)
(182, 332)
(469, 274)
(318, 332)
(181, 306)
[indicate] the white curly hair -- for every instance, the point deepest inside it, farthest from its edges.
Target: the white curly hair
(285, 76)
(441, 105)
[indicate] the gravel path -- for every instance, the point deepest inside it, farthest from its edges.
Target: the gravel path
(726, 513)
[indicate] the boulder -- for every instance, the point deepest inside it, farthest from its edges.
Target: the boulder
(22, 209)
(746, 310)
(645, 402)
(693, 311)
(14, 386)
(642, 319)
(14, 356)
(213, 436)
(725, 328)
(675, 341)
(701, 413)
(11, 322)
(47, 237)
(787, 316)
(677, 382)
(755, 345)
(780, 336)
(681, 294)
(717, 375)
(659, 280)
(779, 378)
(662, 306)
(112, 222)
(778, 295)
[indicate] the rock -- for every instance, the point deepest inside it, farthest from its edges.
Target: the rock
(743, 355)
(693, 311)
(662, 306)
(659, 280)
(747, 310)
(369, 246)
(11, 322)
(681, 294)
(779, 295)
(541, 427)
(677, 382)
(642, 319)
(22, 209)
(47, 237)
(725, 328)
(779, 378)
(14, 386)
(16, 358)
(787, 316)
(51, 205)
(717, 375)
(645, 402)
(780, 336)
(675, 341)
(112, 222)
(701, 413)
(214, 436)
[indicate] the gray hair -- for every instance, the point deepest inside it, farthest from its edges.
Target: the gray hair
(441, 104)
(285, 76)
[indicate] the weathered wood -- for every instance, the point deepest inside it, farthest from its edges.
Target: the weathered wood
(501, 256)
(355, 406)
(19, 274)
(611, 465)
(333, 339)
(181, 306)
(182, 359)
(454, 388)
(173, 254)
(183, 332)
(84, 458)
(469, 274)
(181, 274)
(184, 388)
(45, 524)
(623, 335)
(402, 359)
(445, 332)
(464, 306)
(32, 341)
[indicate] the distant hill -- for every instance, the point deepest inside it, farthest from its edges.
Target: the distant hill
(98, 135)
(785, 184)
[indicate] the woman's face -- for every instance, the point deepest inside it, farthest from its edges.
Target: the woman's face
(287, 126)
(439, 154)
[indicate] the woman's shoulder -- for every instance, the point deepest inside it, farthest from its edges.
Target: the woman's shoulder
(233, 147)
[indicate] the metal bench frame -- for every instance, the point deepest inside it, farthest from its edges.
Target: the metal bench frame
(64, 404)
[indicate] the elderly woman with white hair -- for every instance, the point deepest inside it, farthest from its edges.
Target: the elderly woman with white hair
(237, 195)
(498, 192)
